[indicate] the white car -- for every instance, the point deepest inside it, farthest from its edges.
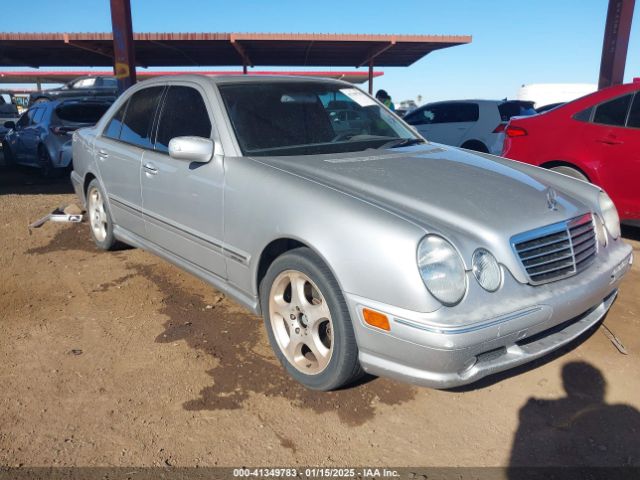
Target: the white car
(473, 124)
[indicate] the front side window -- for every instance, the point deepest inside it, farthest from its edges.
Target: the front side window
(634, 114)
(613, 112)
(138, 118)
(183, 114)
(305, 117)
(25, 119)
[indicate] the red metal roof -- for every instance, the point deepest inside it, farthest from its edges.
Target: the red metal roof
(213, 49)
(63, 76)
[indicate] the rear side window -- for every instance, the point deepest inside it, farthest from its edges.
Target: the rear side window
(634, 114)
(184, 114)
(115, 124)
(613, 112)
(138, 118)
(81, 113)
(515, 109)
(37, 115)
(444, 113)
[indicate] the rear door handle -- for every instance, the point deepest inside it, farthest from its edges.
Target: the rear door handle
(150, 168)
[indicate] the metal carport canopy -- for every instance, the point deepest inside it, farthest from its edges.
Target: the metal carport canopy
(215, 49)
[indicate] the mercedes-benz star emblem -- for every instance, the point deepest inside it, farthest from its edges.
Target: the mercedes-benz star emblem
(552, 199)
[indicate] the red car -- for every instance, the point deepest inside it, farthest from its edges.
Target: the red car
(594, 138)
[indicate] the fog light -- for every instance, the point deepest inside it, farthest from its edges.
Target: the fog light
(376, 319)
(486, 270)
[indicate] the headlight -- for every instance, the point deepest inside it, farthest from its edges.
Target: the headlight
(486, 270)
(609, 215)
(442, 269)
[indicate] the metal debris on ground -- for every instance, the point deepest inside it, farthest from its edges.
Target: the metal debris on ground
(68, 214)
(615, 340)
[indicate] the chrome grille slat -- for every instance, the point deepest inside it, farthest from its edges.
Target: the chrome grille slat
(557, 251)
(556, 259)
(565, 245)
(551, 242)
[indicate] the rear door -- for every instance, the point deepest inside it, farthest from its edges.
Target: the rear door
(182, 201)
(119, 152)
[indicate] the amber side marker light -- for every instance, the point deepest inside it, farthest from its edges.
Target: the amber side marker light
(376, 319)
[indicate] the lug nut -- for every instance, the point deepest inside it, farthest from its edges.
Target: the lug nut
(292, 316)
(297, 330)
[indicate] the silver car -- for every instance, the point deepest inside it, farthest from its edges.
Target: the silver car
(365, 251)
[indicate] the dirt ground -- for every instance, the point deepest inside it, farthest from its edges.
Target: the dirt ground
(120, 359)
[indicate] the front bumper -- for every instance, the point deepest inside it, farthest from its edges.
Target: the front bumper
(459, 345)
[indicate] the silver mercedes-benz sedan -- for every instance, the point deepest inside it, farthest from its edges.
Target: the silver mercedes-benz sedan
(365, 247)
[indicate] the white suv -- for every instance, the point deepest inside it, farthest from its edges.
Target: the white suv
(474, 124)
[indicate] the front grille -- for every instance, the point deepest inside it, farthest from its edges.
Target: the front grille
(557, 251)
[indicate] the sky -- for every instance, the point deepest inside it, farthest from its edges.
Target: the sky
(514, 42)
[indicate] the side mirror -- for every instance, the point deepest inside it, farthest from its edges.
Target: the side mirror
(193, 149)
(10, 125)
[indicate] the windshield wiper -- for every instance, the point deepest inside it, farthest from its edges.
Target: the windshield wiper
(401, 142)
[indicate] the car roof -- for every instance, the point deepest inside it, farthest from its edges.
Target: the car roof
(240, 79)
(479, 100)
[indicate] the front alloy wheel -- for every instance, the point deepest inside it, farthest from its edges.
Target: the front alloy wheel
(301, 322)
(307, 321)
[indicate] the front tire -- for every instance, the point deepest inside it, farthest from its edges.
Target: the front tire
(308, 323)
(100, 219)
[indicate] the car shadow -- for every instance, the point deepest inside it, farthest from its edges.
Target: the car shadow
(631, 232)
(578, 430)
(16, 179)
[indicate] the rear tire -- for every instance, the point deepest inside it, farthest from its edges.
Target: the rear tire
(47, 169)
(570, 172)
(309, 327)
(100, 220)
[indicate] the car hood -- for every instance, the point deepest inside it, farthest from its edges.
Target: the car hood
(441, 189)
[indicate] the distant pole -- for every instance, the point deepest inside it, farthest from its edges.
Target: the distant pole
(371, 77)
(616, 42)
(124, 66)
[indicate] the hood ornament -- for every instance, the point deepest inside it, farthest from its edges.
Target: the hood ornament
(552, 199)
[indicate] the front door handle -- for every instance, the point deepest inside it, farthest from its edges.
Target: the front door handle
(610, 141)
(150, 168)
(102, 154)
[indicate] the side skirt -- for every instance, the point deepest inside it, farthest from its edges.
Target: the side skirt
(212, 279)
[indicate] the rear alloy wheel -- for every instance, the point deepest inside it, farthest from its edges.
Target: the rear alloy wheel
(99, 217)
(308, 322)
(570, 172)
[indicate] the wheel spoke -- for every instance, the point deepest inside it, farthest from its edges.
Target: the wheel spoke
(297, 291)
(318, 349)
(317, 312)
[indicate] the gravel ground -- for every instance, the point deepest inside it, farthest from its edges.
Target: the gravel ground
(120, 359)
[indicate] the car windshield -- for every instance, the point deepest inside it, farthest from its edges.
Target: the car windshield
(304, 118)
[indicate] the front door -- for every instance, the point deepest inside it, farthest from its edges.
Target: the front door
(181, 200)
(614, 134)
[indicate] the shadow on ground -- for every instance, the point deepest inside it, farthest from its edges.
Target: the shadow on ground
(580, 429)
(29, 181)
(231, 338)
